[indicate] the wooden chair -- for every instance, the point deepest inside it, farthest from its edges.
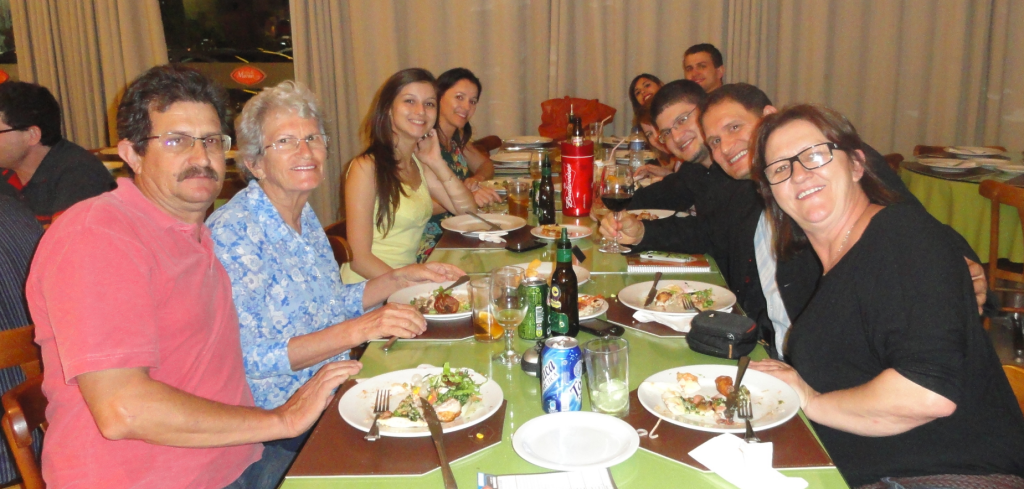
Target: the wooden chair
(894, 160)
(337, 235)
(1015, 375)
(487, 144)
(24, 405)
(1001, 193)
(922, 149)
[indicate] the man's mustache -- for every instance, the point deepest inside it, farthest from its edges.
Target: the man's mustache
(198, 171)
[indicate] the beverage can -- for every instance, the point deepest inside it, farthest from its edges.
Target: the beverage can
(561, 375)
(535, 292)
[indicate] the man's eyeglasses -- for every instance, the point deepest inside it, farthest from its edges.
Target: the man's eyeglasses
(665, 133)
(811, 158)
(314, 141)
(15, 129)
(216, 145)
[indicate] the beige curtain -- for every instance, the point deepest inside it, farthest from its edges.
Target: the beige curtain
(906, 72)
(86, 52)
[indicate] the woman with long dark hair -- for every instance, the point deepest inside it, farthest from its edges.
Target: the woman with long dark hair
(458, 91)
(642, 89)
(392, 187)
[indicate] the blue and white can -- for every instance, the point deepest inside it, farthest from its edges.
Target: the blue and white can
(561, 375)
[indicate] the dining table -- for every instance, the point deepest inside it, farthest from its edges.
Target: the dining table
(319, 463)
(952, 197)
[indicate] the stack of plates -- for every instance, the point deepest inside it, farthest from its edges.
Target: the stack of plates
(526, 142)
(972, 151)
(948, 164)
(511, 163)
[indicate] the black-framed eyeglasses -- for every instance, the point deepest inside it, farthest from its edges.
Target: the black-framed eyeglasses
(215, 144)
(678, 123)
(20, 128)
(314, 141)
(811, 158)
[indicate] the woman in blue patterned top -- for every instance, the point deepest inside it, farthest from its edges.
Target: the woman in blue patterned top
(293, 310)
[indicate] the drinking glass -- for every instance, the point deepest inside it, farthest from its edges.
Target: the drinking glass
(607, 362)
(616, 193)
(519, 198)
(508, 307)
(485, 328)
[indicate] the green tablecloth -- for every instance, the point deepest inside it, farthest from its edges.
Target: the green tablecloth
(958, 204)
(649, 354)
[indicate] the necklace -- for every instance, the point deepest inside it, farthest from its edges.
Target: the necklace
(840, 250)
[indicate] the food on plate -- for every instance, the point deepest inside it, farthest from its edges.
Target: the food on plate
(441, 302)
(670, 299)
(679, 401)
(532, 268)
(645, 216)
(724, 385)
(688, 382)
(450, 393)
(551, 231)
(589, 304)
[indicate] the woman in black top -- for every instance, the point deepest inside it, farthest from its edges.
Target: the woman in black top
(889, 358)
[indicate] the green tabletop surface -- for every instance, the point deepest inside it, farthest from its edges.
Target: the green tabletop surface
(649, 355)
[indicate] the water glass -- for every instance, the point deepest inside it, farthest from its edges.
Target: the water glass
(508, 307)
(607, 362)
(485, 328)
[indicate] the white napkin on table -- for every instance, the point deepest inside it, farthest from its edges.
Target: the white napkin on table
(678, 323)
(745, 465)
(492, 237)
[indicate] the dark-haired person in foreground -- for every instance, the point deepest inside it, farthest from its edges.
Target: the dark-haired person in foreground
(702, 63)
(37, 165)
(889, 358)
(134, 316)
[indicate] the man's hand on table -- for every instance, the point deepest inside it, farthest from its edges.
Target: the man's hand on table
(306, 405)
(629, 228)
(786, 373)
(979, 282)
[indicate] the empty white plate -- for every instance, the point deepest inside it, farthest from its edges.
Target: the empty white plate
(575, 440)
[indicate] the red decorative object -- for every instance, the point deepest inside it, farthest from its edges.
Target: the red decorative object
(4, 76)
(248, 75)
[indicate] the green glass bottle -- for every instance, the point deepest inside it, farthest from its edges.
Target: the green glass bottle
(546, 194)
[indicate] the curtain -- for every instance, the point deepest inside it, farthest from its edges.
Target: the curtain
(86, 52)
(905, 72)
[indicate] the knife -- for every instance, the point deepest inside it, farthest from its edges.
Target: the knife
(435, 432)
(654, 290)
(494, 227)
(730, 400)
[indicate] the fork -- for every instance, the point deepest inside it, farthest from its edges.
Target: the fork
(380, 405)
(745, 411)
(687, 302)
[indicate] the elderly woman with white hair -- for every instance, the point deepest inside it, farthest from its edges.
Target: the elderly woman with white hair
(294, 313)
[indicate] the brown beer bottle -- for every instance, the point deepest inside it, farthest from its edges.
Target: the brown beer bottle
(564, 313)
(545, 193)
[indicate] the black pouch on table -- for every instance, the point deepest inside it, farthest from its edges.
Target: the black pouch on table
(722, 334)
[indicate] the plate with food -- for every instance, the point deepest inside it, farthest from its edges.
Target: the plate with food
(668, 299)
(651, 214)
(427, 299)
(575, 440)
(591, 306)
(543, 269)
(948, 164)
(460, 396)
(694, 397)
(467, 224)
(554, 231)
(972, 150)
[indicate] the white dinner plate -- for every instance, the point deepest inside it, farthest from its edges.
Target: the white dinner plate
(526, 141)
(406, 295)
(774, 401)
(623, 155)
(948, 164)
(972, 150)
(356, 405)
(1009, 167)
(575, 232)
(512, 159)
(467, 224)
(575, 440)
(658, 213)
(634, 295)
(545, 268)
(601, 310)
(992, 163)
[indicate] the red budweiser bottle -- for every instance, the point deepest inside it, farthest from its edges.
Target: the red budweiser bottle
(577, 172)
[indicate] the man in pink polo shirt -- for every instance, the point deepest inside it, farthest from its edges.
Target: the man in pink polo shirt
(133, 311)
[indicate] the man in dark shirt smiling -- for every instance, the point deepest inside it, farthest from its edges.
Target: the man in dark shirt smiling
(37, 165)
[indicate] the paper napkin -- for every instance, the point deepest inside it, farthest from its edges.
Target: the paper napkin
(747, 466)
(678, 323)
(492, 237)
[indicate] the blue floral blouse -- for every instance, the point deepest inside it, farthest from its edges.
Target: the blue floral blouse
(284, 285)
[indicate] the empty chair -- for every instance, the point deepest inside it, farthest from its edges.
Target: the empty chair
(1001, 193)
(894, 160)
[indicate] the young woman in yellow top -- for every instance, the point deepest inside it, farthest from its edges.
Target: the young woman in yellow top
(389, 186)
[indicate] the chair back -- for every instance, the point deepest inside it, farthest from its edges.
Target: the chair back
(1015, 375)
(1000, 193)
(337, 235)
(487, 144)
(24, 411)
(894, 160)
(924, 149)
(18, 350)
